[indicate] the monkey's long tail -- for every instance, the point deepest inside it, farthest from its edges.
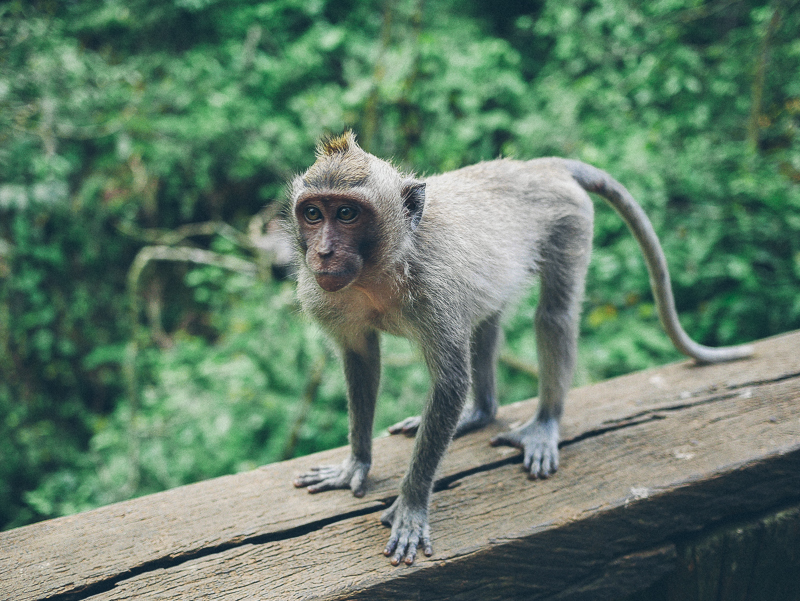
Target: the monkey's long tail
(595, 180)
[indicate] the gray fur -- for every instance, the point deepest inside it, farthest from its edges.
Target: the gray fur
(449, 261)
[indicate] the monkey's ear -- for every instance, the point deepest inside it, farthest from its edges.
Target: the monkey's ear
(413, 195)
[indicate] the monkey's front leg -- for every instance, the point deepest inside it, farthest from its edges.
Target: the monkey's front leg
(408, 515)
(362, 371)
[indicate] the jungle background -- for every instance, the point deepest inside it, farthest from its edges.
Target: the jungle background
(146, 338)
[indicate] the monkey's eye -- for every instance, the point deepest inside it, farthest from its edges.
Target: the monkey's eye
(347, 214)
(312, 214)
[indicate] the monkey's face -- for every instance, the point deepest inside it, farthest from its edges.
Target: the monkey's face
(335, 234)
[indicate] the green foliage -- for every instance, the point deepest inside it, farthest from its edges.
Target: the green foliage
(206, 409)
(116, 117)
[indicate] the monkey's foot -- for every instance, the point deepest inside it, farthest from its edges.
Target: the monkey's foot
(350, 474)
(408, 426)
(474, 419)
(470, 420)
(409, 530)
(539, 443)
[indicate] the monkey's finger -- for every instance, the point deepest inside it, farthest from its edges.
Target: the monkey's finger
(391, 545)
(549, 465)
(509, 439)
(427, 547)
(529, 462)
(400, 550)
(541, 463)
(326, 470)
(411, 549)
(407, 426)
(317, 474)
(329, 484)
(305, 480)
(398, 427)
(319, 471)
(533, 463)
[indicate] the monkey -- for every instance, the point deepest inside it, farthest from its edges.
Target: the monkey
(437, 260)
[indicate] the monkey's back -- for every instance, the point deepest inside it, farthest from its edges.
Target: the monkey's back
(492, 223)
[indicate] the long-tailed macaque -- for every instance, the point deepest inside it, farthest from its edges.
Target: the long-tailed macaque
(437, 261)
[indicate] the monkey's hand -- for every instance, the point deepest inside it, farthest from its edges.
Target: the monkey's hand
(409, 530)
(351, 474)
(538, 440)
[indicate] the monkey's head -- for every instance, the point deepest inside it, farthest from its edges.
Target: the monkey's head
(352, 213)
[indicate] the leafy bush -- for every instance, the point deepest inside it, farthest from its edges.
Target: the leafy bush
(122, 122)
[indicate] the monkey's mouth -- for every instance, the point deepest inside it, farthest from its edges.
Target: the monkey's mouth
(333, 281)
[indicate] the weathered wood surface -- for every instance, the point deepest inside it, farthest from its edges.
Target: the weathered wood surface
(646, 458)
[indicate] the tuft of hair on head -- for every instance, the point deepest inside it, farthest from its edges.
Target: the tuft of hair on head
(340, 144)
(340, 164)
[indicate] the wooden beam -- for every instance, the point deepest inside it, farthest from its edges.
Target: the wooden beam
(647, 458)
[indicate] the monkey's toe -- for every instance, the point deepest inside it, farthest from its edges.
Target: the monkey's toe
(541, 462)
(408, 426)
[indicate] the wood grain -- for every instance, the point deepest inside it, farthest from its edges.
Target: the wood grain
(646, 458)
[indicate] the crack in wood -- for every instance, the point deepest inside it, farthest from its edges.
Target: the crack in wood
(703, 400)
(641, 417)
(108, 584)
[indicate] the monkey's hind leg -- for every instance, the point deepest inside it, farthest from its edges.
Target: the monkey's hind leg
(483, 347)
(362, 371)
(481, 412)
(538, 438)
(563, 275)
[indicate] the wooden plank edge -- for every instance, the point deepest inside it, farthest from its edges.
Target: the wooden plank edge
(617, 534)
(379, 503)
(605, 556)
